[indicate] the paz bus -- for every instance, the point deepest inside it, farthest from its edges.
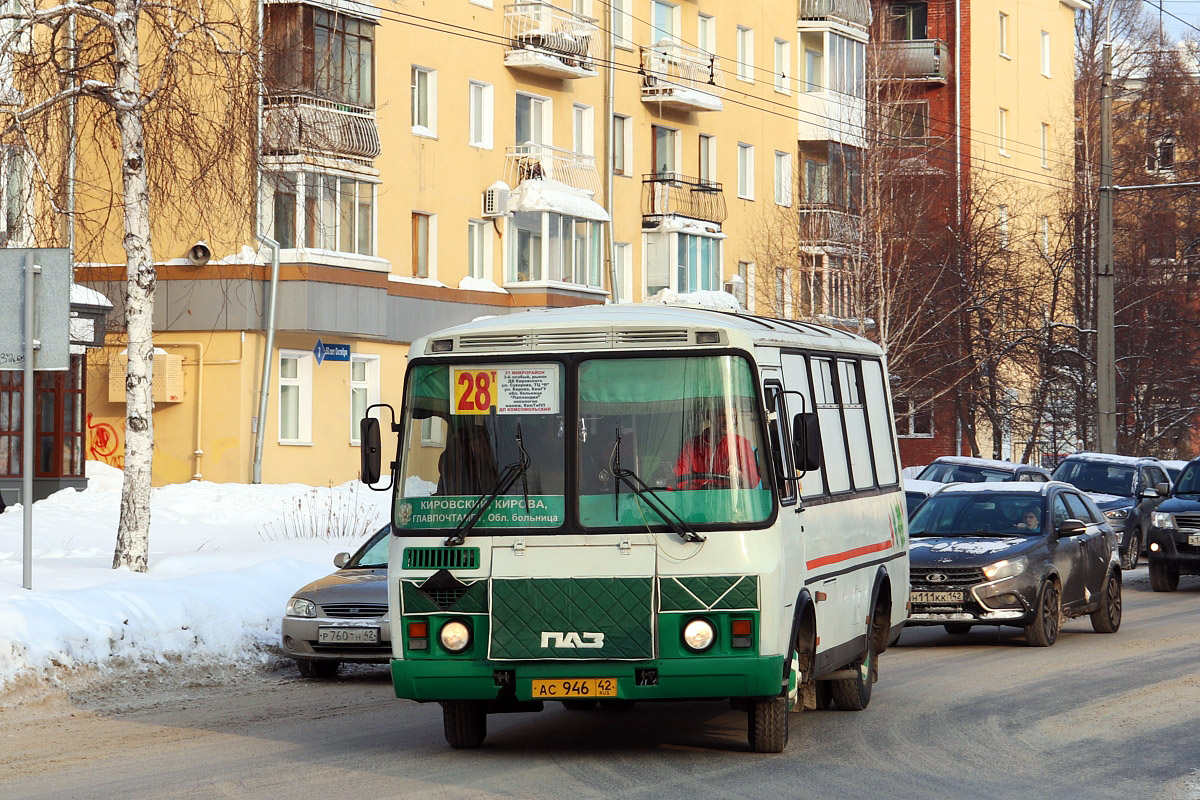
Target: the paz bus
(626, 503)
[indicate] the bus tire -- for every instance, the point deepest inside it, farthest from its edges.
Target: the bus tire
(767, 724)
(854, 694)
(465, 722)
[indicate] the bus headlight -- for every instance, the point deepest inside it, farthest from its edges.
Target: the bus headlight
(455, 636)
(699, 635)
(299, 607)
(1161, 519)
(1005, 569)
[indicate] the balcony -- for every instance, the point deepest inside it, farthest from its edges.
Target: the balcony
(298, 125)
(531, 161)
(824, 225)
(850, 12)
(919, 60)
(667, 194)
(548, 41)
(681, 78)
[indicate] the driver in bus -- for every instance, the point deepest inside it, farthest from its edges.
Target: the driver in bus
(715, 458)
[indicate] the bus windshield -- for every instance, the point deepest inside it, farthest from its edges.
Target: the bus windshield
(680, 432)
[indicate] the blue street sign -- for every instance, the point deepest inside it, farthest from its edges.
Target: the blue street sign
(319, 352)
(331, 352)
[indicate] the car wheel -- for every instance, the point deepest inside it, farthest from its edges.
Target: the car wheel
(465, 722)
(317, 670)
(1043, 630)
(957, 628)
(1107, 618)
(767, 724)
(1163, 578)
(1133, 550)
(579, 705)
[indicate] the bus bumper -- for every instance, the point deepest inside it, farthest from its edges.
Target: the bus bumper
(665, 679)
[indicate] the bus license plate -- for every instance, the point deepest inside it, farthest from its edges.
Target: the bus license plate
(937, 597)
(348, 635)
(575, 687)
(1194, 539)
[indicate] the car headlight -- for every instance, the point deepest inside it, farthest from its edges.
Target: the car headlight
(455, 636)
(1006, 568)
(299, 607)
(1117, 513)
(699, 635)
(1162, 519)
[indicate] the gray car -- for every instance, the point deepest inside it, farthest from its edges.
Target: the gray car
(343, 616)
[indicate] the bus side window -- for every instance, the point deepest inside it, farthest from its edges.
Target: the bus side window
(829, 413)
(881, 423)
(781, 457)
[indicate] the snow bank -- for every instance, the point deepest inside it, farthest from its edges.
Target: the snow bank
(224, 558)
(480, 285)
(721, 301)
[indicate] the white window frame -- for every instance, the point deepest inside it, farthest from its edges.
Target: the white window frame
(1045, 145)
(431, 245)
(783, 66)
(299, 245)
(545, 252)
(706, 157)
(370, 385)
(814, 62)
(1045, 51)
(671, 35)
(745, 54)
(583, 120)
(623, 258)
(545, 129)
(479, 249)
(1004, 36)
(433, 432)
(783, 179)
(910, 417)
(620, 22)
(304, 380)
(745, 171)
(428, 129)
(1002, 132)
(481, 114)
(481, 3)
(623, 132)
(706, 33)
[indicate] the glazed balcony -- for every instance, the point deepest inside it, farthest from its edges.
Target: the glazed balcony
(918, 60)
(300, 125)
(531, 161)
(850, 12)
(548, 41)
(825, 225)
(682, 78)
(667, 194)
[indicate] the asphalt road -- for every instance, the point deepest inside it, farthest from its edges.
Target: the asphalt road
(981, 715)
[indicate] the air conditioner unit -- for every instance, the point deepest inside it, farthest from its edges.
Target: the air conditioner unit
(495, 200)
(167, 386)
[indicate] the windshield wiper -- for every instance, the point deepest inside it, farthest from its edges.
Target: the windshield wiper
(504, 481)
(646, 494)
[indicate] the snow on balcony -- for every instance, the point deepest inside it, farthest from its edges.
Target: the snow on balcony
(548, 41)
(681, 78)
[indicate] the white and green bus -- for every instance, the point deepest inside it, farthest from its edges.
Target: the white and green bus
(616, 504)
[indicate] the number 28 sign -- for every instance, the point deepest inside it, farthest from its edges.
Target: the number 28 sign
(474, 390)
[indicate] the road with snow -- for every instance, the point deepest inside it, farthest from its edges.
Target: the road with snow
(980, 715)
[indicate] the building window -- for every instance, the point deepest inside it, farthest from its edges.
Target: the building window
(479, 251)
(1002, 227)
(847, 66)
(783, 178)
(584, 129)
(908, 21)
(745, 54)
(664, 141)
(14, 182)
(320, 53)
(295, 397)
(914, 417)
(816, 181)
(739, 285)
(1162, 155)
(908, 123)
(622, 134)
(745, 171)
(1045, 236)
(697, 263)
(783, 68)
(481, 114)
(664, 22)
(58, 421)
(814, 63)
(318, 211)
(1046, 54)
(706, 33)
(623, 259)
(1002, 131)
(1004, 34)
(422, 244)
(621, 23)
(1045, 146)
(555, 247)
(533, 119)
(424, 101)
(364, 391)
(707, 153)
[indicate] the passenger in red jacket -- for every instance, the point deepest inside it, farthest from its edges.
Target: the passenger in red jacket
(716, 458)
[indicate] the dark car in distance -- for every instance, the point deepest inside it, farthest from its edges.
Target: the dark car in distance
(1127, 489)
(1174, 537)
(954, 469)
(1019, 554)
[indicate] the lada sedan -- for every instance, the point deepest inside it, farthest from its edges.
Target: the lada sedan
(343, 616)
(1021, 554)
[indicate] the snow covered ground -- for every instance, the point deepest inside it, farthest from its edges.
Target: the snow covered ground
(224, 559)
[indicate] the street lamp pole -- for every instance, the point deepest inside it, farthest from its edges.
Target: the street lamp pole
(1106, 370)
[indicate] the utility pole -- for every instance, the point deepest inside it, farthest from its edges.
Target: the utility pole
(1106, 370)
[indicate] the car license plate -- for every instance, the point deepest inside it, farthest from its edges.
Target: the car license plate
(348, 635)
(575, 687)
(937, 597)
(1194, 539)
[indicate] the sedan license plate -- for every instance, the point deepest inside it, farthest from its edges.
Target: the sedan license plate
(937, 597)
(575, 687)
(348, 635)
(1194, 539)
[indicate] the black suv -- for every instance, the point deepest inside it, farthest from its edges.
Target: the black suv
(1021, 554)
(954, 469)
(1127, 489)
(1174, 538)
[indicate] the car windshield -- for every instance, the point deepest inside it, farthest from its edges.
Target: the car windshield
(979, 514)
(963, 473)
(913, 499)
(373, 554)
(683, 432)
(1189, 481)
(1098, 477)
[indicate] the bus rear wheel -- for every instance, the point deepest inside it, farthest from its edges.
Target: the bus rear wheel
(465, 722)
(767, 724)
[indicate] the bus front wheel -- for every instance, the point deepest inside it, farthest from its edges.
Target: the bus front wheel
(465, 722)
(767, 724)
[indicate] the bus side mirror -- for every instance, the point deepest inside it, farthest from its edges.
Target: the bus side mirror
(369, 452)
(806, 442)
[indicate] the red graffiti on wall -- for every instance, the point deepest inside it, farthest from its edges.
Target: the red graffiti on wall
(104, 443)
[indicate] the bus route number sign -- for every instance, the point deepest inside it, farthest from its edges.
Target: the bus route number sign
(525, 389)
(474, 390)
